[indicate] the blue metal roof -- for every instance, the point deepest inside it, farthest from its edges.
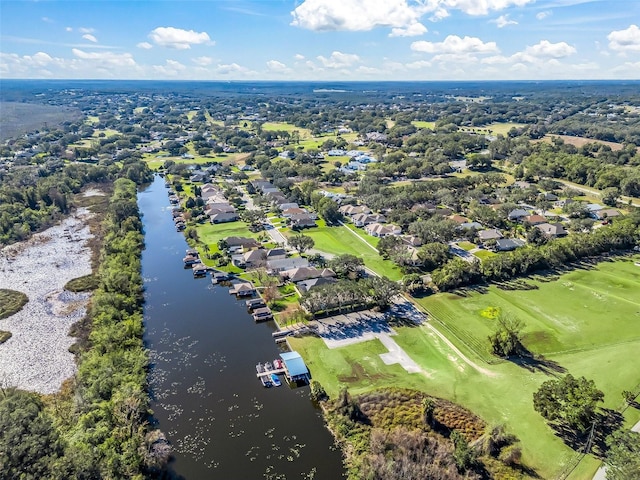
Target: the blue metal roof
(294, 364)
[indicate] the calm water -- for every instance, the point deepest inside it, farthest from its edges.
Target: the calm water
(204, 347)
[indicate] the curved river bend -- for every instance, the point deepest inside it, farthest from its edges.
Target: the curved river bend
(204, 346)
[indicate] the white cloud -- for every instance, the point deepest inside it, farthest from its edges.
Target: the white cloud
(144, 45)
(171, 68)
(411, 31)
(47, 20)
(503, 21)
(546, 49)
(368, 70)
(202, 61)
(544, 14)
(232, 68)
(91, 38)
(418, 65)
(401, 15)
(339, 60)
(277, 67)
(298, 57)
(86, 30)
(454, 44)
(481, 7)
(627, 40)
(178, 38)
(69, 29)
(354, 15)
(106, 59)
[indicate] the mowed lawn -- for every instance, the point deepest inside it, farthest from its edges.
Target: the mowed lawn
(598, 337)
(210, 234)
(583, 309)
(340, 240)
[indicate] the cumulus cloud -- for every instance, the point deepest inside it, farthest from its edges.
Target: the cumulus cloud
(503, 21)
(544, 14)
(456, 45)
(86, 30)
(354, 15)
(546, 49)
(69, 29)
(107, 59)
(299, 57)
(171, 68)
(339, 60)
(482, 7)
(277, 67)
(91, 38)
(233, 69)
(178, 38)
(627, 40)
(144, 45)
(411, 31)
(202, 61)
(401, 15)
(48, 20)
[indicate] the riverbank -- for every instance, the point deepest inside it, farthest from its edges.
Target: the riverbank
(37, 356)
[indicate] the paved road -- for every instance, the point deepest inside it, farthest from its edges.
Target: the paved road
(593, 191)
(601, 474)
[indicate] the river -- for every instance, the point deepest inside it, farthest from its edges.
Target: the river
(204, 346)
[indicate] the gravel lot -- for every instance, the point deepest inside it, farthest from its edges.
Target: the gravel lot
(37, 356)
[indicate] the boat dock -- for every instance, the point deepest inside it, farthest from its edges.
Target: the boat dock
(290, 364)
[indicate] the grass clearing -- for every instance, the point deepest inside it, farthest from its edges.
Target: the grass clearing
(339, 240)
(467, 246)
(494, 128)
(210, 234)
(4, 336)
(421, 124)
(11, 302)
(586, 321)
(82, 284)
(483, 254)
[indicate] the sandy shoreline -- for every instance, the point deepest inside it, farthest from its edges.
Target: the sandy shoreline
(37, 356)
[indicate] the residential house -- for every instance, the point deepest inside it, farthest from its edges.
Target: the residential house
(459, 219)
(306, 285)
(277, 266)
(489, 234)
(517, 215)
(350, 210)
(305, 273)
(551, 197)
(244, 242)
(552, 230)
(303, 220)
(508, 244)
(380, 230)
(469, 226)
(606, 213)
(363, 219)
(223, 217)
(254, 258)
(288, 212)
(534, 219)
(286, 206)
(276, 254)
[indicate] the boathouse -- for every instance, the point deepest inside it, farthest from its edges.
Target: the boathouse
(294, 367)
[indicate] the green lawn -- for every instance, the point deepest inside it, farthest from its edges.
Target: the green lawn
(210, 234)
(561, 315)
(482, 254)
(467, 245)
(590, 318)
(496, 128)
(421, 124)
(339, 240)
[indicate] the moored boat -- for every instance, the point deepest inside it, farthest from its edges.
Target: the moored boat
(275, 380)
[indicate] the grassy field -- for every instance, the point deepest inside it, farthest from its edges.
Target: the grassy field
(580, 141)
(482, 254)
(467, 246)
(585, 321)
(210, 234)
(561, 315)
(495, 128)
(339, 240)
(421, 124)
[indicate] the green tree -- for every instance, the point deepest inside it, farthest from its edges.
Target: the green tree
(301, 242)
(568, 401)
(623, 457)
(507, 338)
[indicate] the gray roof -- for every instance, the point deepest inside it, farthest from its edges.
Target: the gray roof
(294, 364)
(287, 263)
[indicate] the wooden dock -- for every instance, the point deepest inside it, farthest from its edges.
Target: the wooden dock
(277, 371)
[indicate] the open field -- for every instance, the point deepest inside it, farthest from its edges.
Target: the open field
(422, 124)
(561, 315)
(18, 118)
(579, 141)
(585, 322)
(494, 128)
(210, 234)
(339, 240)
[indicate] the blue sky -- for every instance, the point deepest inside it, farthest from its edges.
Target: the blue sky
(320, 39)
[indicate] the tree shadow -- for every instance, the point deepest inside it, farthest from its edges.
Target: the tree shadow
(606, 422)
(516, 284)
(537, 363)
